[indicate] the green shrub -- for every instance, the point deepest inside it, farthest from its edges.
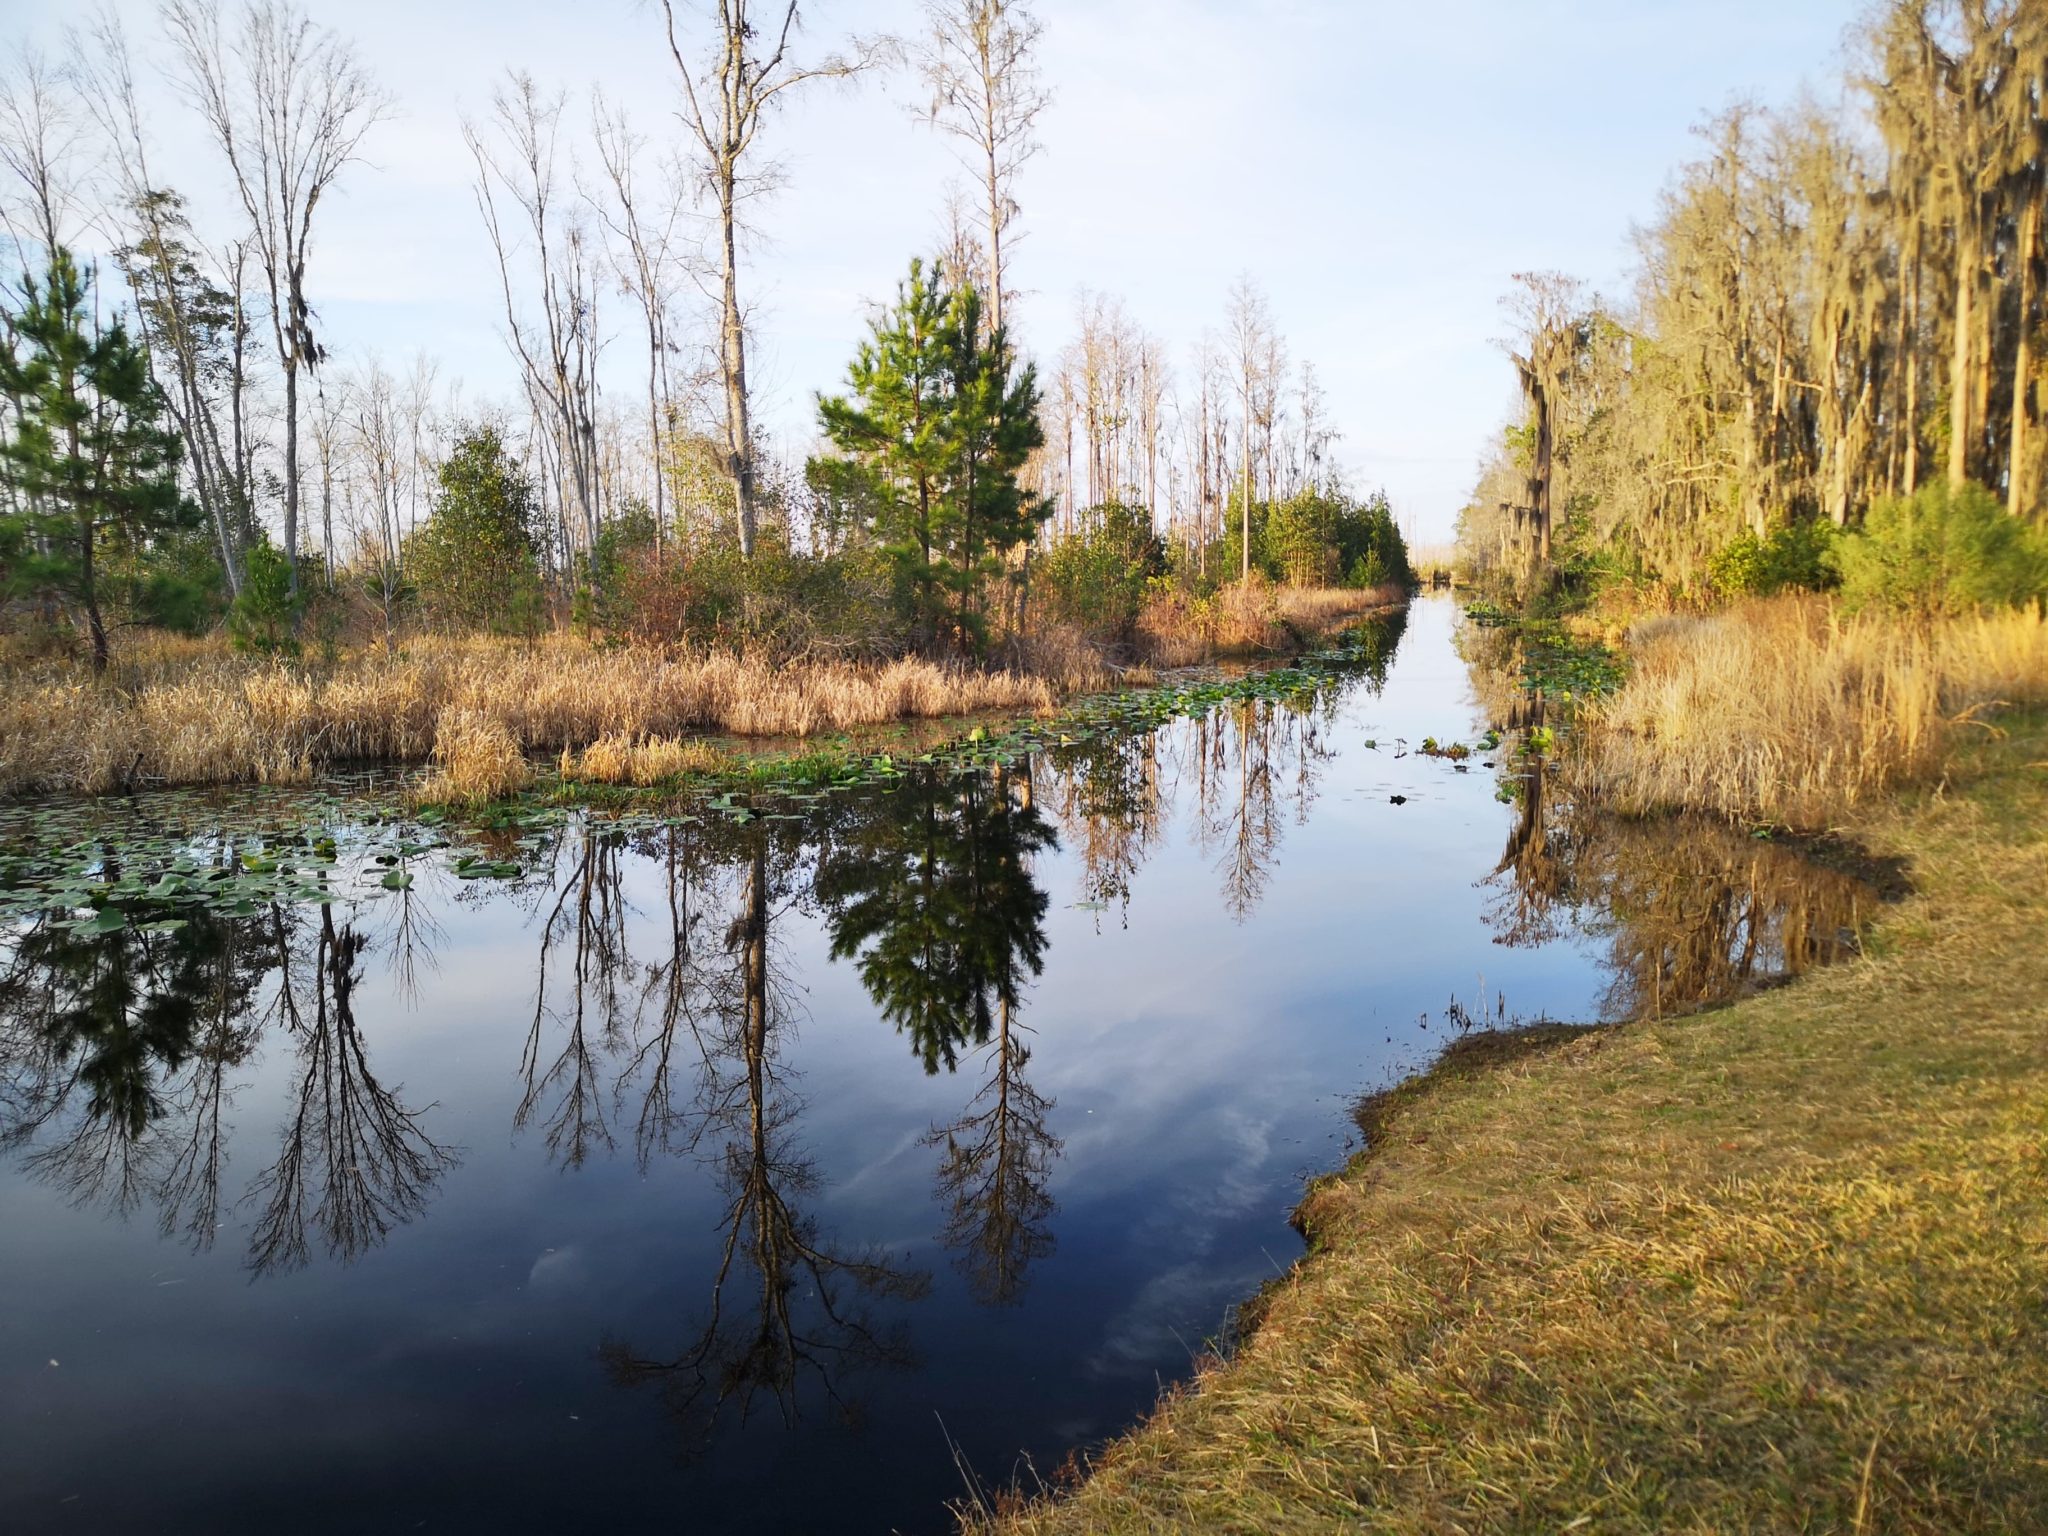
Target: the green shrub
(265, 617)
(1098, 578)
(1941, 552)
(476, 559)
(1794, 555)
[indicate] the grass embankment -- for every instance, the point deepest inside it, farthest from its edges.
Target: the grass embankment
(1777, 1267)
(172, 712)
(1791, 712)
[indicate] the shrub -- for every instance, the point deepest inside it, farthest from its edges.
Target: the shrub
(476, 560)
(1794, 556)
(265, 615)
(1942, 552)
(1097, 578)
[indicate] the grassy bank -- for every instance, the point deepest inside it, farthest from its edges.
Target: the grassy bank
(174, 712)
(1791, 711)
(1778, 1267)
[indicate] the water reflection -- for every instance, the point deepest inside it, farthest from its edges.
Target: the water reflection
(1692, 910)
(120, 1054)
(353, 1159)
(788, 1308)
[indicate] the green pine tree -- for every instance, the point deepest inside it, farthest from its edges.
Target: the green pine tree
(91, 469)
(936, 427)
(476, 560)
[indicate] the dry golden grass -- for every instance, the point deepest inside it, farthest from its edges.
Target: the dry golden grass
(477, 758)
(1178, 631)
(1778, 1267)
(647, 761)
(1791, 712)
(179, 713)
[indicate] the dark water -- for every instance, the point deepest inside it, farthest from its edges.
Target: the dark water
(758, 1176)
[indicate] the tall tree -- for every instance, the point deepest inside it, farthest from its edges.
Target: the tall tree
(288, 104)
(90, 461)
(979, 60)
(742, 72)
(558, 351)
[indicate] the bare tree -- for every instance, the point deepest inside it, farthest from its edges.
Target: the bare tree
(40, 151)
(1251, 345)
(645, 228)
(979, 60)
(745, 68)
(196, 328)
(288, 104)
(558, 352)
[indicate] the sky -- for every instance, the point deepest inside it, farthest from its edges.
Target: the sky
(1381, 170)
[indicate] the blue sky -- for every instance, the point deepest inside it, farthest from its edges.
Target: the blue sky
(1381, 169)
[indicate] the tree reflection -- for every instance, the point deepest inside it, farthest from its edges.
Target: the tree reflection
(1251, 759)
(1107, 795)
(120, 1046)
(994, 1177)
(353, 1160)
(1693, 911)
(97, 1032)
(939, 904)
(589, 914)
(787, 1307)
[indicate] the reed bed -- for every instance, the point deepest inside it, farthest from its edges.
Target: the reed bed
(1178, 631)
(176, 713)
(1794, 713)
(643, 762)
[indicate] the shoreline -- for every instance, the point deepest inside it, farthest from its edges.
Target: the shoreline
(195, 717)
(1776, 1264)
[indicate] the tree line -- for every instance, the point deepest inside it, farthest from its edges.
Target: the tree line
(285, 477)
(1836, 309)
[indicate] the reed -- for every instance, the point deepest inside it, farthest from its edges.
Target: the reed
(1794, 713)
(181, 713)
(478, 759)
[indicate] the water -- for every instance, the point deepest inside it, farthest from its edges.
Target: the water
(760, 1176)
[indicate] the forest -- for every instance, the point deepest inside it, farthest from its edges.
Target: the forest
(191, 475)
(1836, 311)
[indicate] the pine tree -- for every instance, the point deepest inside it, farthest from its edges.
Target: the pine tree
(476, 559)
(90, 466)
(938, 424)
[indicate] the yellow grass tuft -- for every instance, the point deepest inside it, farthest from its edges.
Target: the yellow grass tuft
(478, 757)
(1792, 712)
(621, 759)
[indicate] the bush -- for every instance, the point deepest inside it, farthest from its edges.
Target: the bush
(265, 617)
(475, 561)
(1792, 556)
(1098, 578)
(780, 604)
(1941, 552)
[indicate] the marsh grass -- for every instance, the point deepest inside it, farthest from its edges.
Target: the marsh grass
(640, 762)
(183, 713)
(477, 759)
(1177, 630)
(1775, 1267)
(1791, 712)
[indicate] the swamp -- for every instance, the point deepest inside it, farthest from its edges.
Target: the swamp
(802, 1160)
